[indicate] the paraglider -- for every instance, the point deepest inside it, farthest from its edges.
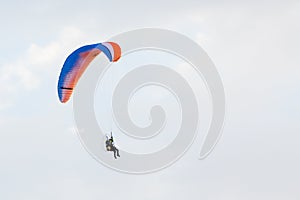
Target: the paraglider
(76, 64)
(78, 61)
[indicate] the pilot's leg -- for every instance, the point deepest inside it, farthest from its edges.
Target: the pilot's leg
(115, 153)
(118, 154)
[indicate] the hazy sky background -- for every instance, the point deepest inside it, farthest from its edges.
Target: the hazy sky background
(253, 44)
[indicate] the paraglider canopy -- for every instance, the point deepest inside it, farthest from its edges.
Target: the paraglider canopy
(77, 62)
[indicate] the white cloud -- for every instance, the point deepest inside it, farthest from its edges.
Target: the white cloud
(26, 71)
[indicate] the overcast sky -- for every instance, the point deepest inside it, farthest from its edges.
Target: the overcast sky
(254, 46)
